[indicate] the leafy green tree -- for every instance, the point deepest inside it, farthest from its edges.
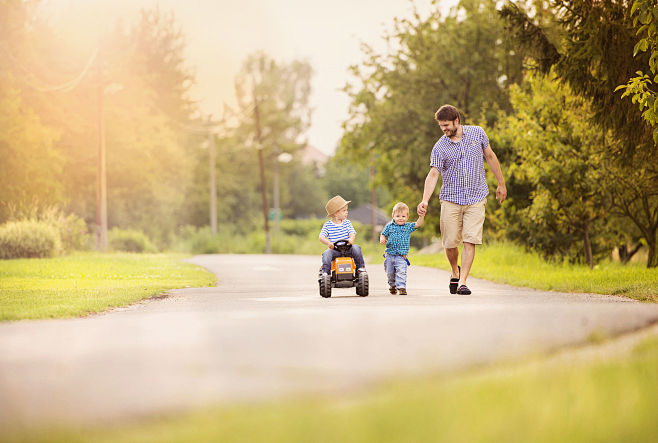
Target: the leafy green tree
(462, 59)
(31, 169)
(594, 55)
(557, 149)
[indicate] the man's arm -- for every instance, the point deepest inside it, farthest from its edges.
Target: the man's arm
(430, 183)
(492, 160)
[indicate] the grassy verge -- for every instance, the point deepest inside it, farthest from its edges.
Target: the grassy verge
(510, 264)
(566, 399)
(86, 283)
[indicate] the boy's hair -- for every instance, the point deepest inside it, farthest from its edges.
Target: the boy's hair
(399, 207)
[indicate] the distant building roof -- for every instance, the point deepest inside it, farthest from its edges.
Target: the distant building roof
(363, 214)
(312, 155)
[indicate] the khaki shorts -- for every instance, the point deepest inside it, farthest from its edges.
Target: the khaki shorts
(461, 223)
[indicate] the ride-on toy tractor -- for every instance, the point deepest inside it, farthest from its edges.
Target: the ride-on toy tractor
(343, 273)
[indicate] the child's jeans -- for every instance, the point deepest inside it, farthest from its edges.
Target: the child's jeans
(330, 254)
(396, 270)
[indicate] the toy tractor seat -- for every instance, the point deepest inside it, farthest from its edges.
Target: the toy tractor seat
(343, 273)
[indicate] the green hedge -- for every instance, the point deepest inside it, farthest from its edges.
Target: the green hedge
(29, 239)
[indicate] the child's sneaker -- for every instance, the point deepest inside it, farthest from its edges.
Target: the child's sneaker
(402, 291)
(392, 290)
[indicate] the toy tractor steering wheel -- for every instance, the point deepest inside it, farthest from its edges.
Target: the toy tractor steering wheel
(342, 246)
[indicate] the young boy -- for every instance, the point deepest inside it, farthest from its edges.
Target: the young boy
(395, 236)
(338, 228)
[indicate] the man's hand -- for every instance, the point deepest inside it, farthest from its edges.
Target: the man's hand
(501, 193)
(422, 208)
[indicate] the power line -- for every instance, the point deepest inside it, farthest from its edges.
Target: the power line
(45, 87)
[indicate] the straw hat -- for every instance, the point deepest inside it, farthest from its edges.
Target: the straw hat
(335, 204)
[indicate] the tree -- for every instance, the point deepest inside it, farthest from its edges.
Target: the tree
(459, 59)
(556, 148)
(641, 87)
(595, 55)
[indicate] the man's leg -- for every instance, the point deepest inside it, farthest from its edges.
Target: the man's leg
(468, 254)
(453, 258)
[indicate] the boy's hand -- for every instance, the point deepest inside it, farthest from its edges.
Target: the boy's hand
(330, 245)
(382, 240)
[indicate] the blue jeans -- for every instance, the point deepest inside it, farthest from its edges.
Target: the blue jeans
(396, 270)
(330, 254)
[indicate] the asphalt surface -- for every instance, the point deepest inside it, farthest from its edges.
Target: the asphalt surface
(265, 332)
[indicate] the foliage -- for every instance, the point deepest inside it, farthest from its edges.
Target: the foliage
(129, 240)
(556, 148)
(28, 239)
(641, 88)
(31, 168)
(595, 50)
(459, 59)
(80, 284)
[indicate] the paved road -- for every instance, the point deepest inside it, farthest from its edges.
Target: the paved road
(265, 331)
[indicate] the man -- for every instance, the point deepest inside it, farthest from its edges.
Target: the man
(457, 156)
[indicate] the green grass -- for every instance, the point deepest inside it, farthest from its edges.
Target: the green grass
(88, 282)
(565, 399)
(510, 264)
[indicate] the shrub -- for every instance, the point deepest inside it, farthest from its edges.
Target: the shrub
(72, 230)
(197, 241)
(130, 240)
(29, 239)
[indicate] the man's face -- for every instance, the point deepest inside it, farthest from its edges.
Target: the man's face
(449, 127)
(401, 217)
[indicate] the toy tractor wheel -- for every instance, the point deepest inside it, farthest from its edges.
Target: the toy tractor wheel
(325, 286)
(362, 284)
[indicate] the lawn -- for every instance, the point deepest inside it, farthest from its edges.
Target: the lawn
(90, 282)
(510, 264)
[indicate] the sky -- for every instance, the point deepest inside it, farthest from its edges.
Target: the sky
(221, 33)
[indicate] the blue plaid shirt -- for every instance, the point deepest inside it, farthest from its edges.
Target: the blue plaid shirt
(462, 166)
(397, 237)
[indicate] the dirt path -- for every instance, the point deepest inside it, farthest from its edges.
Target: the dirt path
(265, 331)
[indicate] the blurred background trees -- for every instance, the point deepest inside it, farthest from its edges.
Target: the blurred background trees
(554, 84)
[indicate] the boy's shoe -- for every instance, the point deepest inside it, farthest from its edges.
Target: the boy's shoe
(454, 282)
(463, 290)
(402, 291)
(392, 290)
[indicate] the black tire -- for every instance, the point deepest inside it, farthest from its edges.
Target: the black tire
(362, 284)
(325, 286)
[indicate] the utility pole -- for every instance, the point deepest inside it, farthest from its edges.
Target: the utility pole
(213, 181)
(275, 196)
(373, 202)
(259, 138)
(101, 179)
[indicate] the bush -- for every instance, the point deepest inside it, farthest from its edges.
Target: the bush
(130, 240)
(29, 239)
(197, 241)
(72, 230)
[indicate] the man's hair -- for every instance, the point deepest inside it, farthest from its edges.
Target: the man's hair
(447, 112)
(399, 207)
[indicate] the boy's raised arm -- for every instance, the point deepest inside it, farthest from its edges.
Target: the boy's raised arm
(419, 222)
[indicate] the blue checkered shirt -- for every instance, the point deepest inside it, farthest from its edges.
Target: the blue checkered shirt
(397, 237)
(462, 166)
